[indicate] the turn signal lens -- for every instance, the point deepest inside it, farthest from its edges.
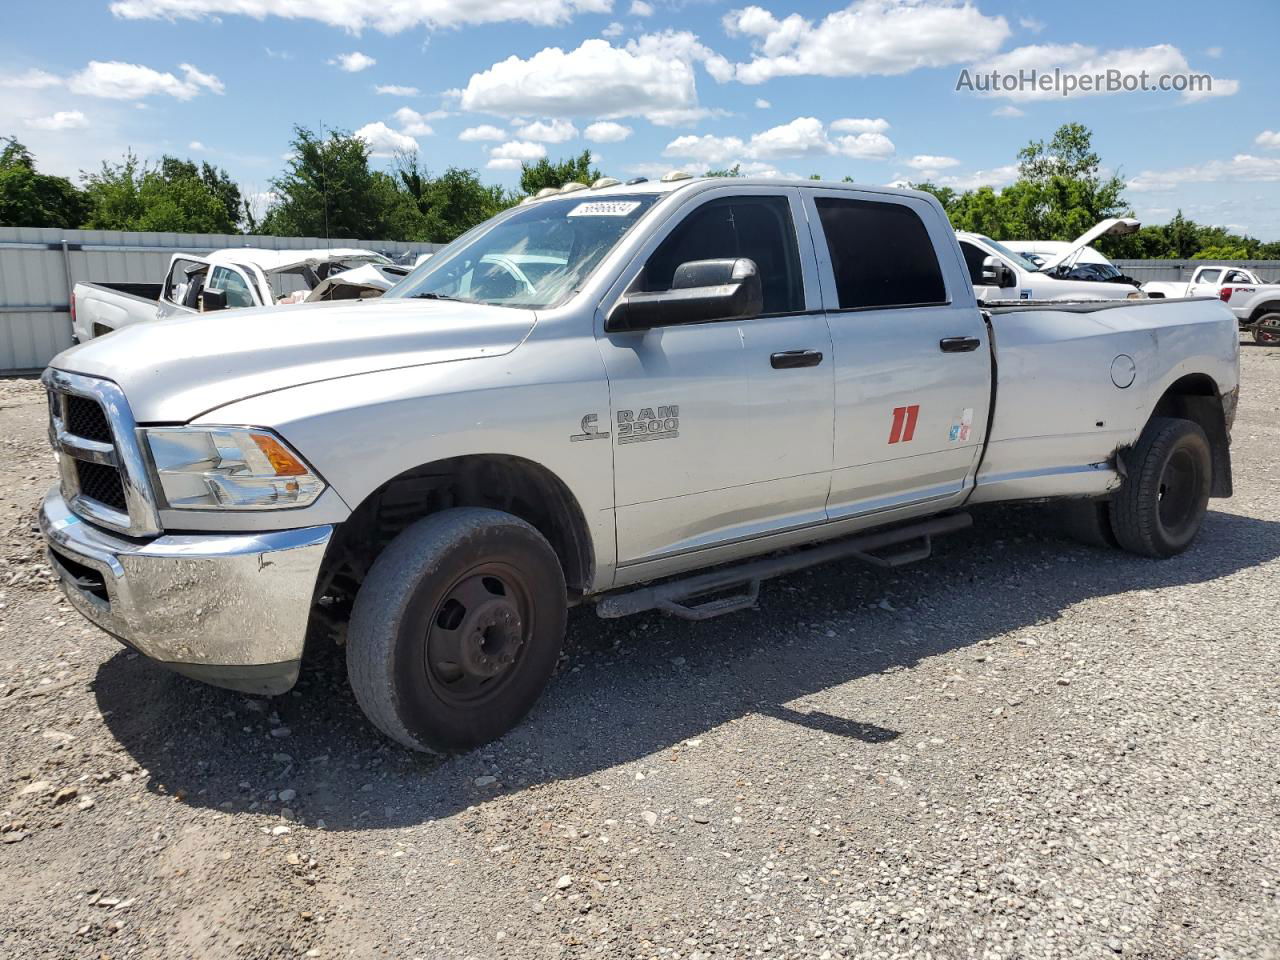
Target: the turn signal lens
(282, 461)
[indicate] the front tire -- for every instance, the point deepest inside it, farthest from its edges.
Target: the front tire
(1161, 506)
(456, 629)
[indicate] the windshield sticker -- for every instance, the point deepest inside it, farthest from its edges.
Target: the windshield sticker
(605, 208)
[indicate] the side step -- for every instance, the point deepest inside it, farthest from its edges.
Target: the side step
(674, 597)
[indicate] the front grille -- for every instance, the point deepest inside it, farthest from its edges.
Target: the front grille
(102, 484)
(86, 418)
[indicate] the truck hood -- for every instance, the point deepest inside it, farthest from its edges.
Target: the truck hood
(174, 370)
(1111, 227)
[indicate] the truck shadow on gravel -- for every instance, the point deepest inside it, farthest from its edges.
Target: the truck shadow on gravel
(634, 687)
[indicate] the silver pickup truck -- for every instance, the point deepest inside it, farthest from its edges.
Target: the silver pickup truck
(645, 396)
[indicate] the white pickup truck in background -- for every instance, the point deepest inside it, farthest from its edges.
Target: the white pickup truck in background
(1255, 302)
(1016, 270)
(233, 278)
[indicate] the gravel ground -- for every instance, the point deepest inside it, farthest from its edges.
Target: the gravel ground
(1022, 748)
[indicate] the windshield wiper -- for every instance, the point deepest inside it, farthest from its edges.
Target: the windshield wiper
(439, 296)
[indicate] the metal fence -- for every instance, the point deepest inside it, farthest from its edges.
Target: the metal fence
(1267, 271)
(40, 265)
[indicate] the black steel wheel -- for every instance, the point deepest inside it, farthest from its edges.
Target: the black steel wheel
(1163, 501)
(456, 629)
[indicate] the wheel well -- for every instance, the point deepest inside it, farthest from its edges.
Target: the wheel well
(1195, 397)
(1271, 306)
(511, 484)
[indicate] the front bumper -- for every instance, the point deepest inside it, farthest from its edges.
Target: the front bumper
(228, 609)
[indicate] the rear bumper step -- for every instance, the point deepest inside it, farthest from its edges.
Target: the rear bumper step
(675, 597)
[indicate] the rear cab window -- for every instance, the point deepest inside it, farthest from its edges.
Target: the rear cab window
(881, 254)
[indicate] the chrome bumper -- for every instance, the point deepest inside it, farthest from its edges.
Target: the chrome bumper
(228, 609)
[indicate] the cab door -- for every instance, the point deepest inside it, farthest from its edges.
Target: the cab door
(912, 355)
(722, 430)
(1205, 283)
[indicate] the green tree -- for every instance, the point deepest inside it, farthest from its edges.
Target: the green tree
(329, 190)
(544, 173)
(32, 199)
(452, 203)
(734, 171)
(173, 196)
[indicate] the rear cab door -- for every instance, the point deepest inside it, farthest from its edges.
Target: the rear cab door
(911, 349)
(236, 286)
(1205, 282)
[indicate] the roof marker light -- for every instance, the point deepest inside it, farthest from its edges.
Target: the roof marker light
(573, 186)
(546, 192)
(605, 182)
(675, 175)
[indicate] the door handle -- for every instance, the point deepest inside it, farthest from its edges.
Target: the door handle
(790, 359)
(959, 344)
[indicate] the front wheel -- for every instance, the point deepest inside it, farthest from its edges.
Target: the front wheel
(456, 629)
(1161, 505)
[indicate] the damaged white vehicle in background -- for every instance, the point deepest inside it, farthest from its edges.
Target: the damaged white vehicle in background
(229, 279)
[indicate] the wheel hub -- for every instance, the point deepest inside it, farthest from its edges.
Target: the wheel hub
(476, 634)
(492, 633)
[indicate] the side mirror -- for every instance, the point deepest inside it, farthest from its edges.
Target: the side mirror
(214, 300)
(997, 274)
(701, 290)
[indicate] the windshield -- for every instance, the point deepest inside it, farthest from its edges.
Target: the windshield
(533, 258)
(1008, 254)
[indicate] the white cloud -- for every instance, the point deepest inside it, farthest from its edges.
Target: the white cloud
(551, 131)
(278, 54)
(594, 79)
(31, 80)
(1213, 52)
(1269, 139)
(61, 120)
(486, 131)
(802, 137)
(641, 9)
(860, 125)
(1161, 60)
(685, 46)
(412, 123)
(1008, 110)
(386, 16)
(996, 177)
(395, 90)
(353, 62)
(196, 146)
(1032, 24)
(1241, 167)
(116, 80)
(513, 153)
(866, 146)
(383, 141)
(762, 103)
(867, 37)
(606, 131)
(614, 29)
(925, 161)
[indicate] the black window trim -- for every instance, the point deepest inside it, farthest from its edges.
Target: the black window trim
(698, 201)
(816, 194)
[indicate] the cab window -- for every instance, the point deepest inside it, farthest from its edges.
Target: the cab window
(1209, 276)
(881, 254)
(757, 228)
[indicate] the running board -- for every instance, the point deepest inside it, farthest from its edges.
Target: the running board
(745, 579)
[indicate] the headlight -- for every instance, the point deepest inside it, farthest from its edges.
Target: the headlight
(229, 468)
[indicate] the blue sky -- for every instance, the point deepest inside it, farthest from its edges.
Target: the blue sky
(865, 90)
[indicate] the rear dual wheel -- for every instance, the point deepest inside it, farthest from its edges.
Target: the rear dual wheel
(1162, 503)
